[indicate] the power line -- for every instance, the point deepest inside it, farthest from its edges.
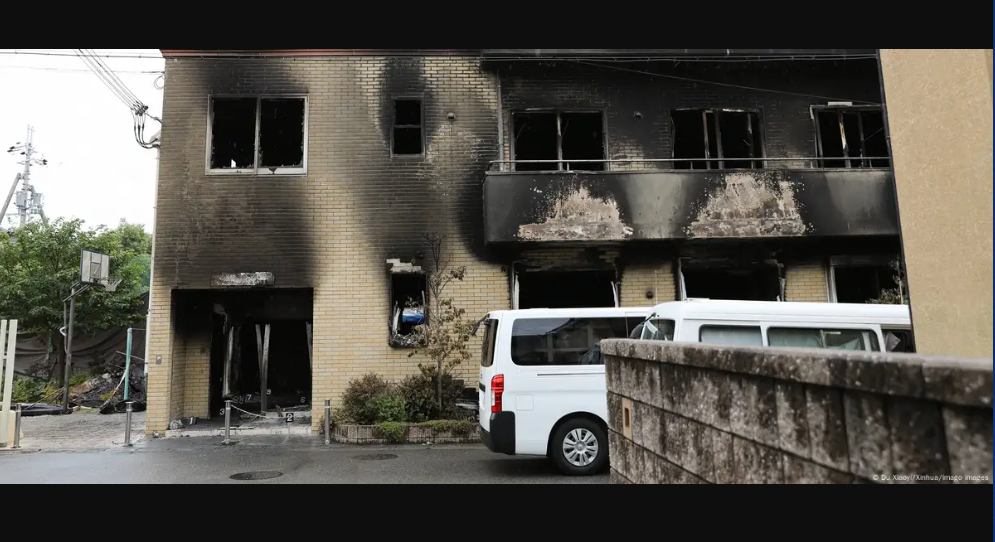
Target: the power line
(71, 70)
(729, 85)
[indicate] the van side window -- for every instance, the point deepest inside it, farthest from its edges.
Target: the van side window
(731, 335)
(490, 342)
(832, 339)
(563, 341)
(658, 330)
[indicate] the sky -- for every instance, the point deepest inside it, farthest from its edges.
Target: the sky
(96, 170)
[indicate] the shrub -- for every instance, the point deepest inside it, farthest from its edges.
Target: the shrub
(388, 407)
(358, 405)
(392, 432)
(25, 390)
(421, 396)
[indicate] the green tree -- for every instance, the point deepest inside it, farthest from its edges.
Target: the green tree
(446, 334)
(40, 262)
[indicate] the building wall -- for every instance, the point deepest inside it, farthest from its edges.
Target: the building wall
(788, 127)
(941, 141)
(806, 282)
(333, 229)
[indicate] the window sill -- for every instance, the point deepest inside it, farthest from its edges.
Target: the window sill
(287, 172)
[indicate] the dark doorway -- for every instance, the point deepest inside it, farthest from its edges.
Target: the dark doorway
(566, 289)
(736, 283)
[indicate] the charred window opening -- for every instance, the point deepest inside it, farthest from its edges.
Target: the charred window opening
(407, 136)
(258, 135)
(408, 302)
(861, 283)
(559, 135)
(851, 137)
(742, 283)
(566, 289)
(716, 139)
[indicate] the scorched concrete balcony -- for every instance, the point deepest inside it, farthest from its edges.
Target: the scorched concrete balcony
(659, 204)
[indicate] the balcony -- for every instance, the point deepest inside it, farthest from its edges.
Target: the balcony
(668, 204)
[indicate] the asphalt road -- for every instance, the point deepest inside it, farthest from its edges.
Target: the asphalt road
(298, 460)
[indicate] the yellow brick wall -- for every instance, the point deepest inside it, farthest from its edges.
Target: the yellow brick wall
(638, 278)
(159, 396)
(806, 282)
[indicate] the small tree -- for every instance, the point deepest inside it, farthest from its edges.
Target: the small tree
(894, 296)
(445, 335)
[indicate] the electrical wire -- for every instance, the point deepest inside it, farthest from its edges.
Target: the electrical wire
(729, 85)
(139, 111)
(73, 70)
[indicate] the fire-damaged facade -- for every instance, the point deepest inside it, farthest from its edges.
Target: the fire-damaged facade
(296, 189)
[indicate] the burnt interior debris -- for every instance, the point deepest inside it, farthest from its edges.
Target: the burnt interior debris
(851, 138)
(717, 136)
(566, 289)
(858, 284)
(233, 133)
(556, 135)
(407, 138)
(407, 301)
(236, 319)
(739, 282)
(281, 133)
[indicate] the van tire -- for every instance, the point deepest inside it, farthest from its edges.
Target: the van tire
(585, 430)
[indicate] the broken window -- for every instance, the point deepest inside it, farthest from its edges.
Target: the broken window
(565, 289)
(737, 282)
(258, 135)
(860, 279)
(408, 301)
(716, 139)
(559, 136)
(406, 138)
(851, 137)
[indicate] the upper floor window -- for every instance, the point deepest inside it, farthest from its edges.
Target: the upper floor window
(407, 136)
(542, 138)
(724, 138)
(849, 137)
(258, 135)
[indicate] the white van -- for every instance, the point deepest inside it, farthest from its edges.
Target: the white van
(838, 326)
(542, 383)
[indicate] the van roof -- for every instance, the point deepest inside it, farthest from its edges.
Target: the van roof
(588, 312)
(700, 308)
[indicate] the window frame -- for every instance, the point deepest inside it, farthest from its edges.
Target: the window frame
(875, 332)
(873, 260)
(256, 168)
(421, 127)
(559, 134)
(840, 108)
(672, 131)
(549, 349)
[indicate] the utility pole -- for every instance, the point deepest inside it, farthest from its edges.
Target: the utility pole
(27, 200)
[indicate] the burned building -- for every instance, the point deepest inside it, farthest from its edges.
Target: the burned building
(296, 187)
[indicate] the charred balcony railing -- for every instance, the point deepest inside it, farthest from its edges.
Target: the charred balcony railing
(627, 201)
(809, 163)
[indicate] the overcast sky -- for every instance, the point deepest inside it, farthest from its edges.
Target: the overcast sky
(96, 170)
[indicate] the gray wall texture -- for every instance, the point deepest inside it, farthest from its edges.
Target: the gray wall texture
(689, 413)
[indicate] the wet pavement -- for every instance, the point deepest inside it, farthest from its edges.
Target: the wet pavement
(297, 460)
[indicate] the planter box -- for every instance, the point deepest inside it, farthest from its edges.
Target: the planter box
(413, 434)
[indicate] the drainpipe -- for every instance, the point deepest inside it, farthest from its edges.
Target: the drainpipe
(157, 140)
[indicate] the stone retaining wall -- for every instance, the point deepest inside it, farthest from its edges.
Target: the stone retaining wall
(690, 413)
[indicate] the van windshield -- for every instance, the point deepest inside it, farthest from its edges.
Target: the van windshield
(490, 340)
(658, 329)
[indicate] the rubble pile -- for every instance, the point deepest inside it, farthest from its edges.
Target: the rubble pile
(106, 391)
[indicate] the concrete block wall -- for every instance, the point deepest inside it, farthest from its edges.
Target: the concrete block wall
(689, 413)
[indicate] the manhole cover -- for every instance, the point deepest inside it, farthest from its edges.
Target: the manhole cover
(250, 476)
(375, 457)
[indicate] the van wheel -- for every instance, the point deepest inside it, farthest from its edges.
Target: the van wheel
(579, 448)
